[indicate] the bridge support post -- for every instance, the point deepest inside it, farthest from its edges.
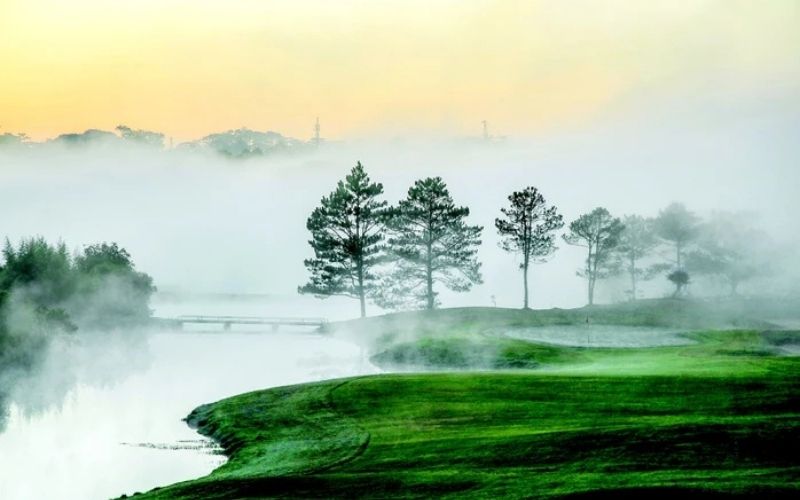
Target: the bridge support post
(275, 327)
(226, 327)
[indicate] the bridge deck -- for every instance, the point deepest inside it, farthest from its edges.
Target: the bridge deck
(226, 322)
(251, 320)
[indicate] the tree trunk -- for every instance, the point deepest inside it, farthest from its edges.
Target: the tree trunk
(633, 278)
(429, 278)
(429, 292)
(525, 283)
(591, 272)
(361, 298)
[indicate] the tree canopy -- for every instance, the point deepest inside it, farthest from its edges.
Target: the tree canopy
(347, 239)
(430, 242)
(730, 246)
(637, 241)
(677, 225)
(528, 228)
(599, 232)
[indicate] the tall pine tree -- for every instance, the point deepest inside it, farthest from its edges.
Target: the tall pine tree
(528, 228)
(430, 243)
(347, 238)
(599, 232)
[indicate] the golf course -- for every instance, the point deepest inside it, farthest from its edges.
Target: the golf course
(473, 409)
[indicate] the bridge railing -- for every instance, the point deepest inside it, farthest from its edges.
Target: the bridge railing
(252, 320)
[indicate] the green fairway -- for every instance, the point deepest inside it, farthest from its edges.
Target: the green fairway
(718, 416)
(714, 353)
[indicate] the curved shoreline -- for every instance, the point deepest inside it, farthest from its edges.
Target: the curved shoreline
(718, 417)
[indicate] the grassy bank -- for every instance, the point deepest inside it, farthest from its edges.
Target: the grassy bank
(719, 333)
(720, 416)
(476, 323)
(712, 353)
(416, 436)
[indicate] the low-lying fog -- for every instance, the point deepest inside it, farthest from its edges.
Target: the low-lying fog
(207, 224)
(120, 430)
(202, 225)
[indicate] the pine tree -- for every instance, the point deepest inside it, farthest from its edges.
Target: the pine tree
(678, 226)
(347, 238)
(528, 228)
(430, 243)
(599, 232)
(636, 242)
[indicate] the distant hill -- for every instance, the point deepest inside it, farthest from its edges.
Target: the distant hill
(245, 143)
(89, 137)
(239, 143)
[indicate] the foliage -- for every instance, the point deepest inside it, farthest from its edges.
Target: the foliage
(636, 242)
(86, 138)
(9, 139)
(44, 292)
(43, 272)
(143, 137)
(347, 238)
(731, 247)
(429, 243)
(246, 143)
(678, 226)
(680, 279)
(110, 292)
(599, 233)
(528, 228)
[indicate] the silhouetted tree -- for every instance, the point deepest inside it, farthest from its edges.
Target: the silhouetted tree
(680, 279)
(678, 226)
(43, 271)
(87, 138)
(44, 292)
(430, 243)
(143, 137)
(9, 139)
(528, 228)
(347, 238)
(599, 233)
(246, 143)
(731, 247)
(636, 241)
(110, 291)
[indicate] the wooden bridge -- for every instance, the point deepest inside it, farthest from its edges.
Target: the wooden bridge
(228, 321)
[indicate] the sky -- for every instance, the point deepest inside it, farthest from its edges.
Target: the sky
(366, 68)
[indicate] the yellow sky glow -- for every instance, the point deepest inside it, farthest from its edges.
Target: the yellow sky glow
(191, 67)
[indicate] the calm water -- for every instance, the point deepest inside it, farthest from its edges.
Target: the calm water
(128, 436)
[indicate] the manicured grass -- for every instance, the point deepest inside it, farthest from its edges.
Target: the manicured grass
(381, 331)
(721, 416)
(712, 353)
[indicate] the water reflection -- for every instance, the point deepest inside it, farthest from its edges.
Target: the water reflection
(129, 436)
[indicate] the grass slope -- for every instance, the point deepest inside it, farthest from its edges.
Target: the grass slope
(718, 417)
(713, 353)
(475, 336)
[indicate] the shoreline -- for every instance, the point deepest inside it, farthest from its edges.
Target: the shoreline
(377, 435)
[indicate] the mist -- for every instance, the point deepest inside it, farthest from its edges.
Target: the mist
(203, 223)
(227, 236)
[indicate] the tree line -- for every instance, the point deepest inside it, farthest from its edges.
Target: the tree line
(47, 291)
(398, 256)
